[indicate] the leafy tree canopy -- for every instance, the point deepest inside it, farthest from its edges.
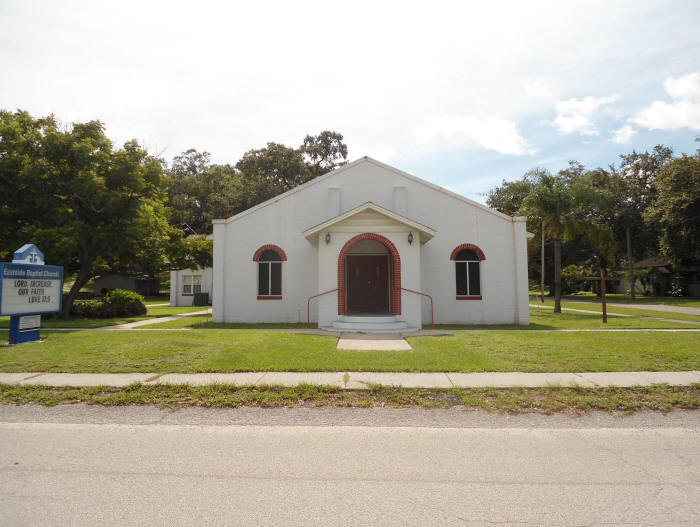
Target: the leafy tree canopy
(677, 210)
(199, 191)
(80, 199)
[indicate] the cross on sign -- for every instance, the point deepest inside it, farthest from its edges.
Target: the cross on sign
(33, 256)
(603, 279)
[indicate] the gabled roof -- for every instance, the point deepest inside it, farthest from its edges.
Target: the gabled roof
(654, 261)
(425, 233)
(360, 161)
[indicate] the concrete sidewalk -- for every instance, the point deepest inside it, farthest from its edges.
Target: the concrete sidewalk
(623, 315)
(361, 380)
(148, 322)
(687, 310)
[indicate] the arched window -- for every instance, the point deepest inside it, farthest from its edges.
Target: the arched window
(467, 260)
(269, 260)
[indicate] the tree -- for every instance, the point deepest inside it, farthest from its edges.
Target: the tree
(634, 193)
(508, 198)
(190, 252)
(568, 208)
(677, 210)
(184, 176)
(199, 191)
(267, 172)
(550, 202)
(324, 152)
(79, 199)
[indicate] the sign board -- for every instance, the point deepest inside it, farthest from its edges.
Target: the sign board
(28, 289)
(29, 322)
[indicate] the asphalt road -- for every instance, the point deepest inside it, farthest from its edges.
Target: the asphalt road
(81, 465)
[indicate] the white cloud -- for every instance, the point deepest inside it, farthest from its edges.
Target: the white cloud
(624, 134)
(685, 87)
(684, 112)
(537, 89)
(574, 115)
(492, 132)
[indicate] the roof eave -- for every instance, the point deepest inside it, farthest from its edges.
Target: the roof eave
(425, 233)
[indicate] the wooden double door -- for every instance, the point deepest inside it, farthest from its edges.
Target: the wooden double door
(367, 283)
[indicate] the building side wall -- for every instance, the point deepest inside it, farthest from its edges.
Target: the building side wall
(178, 298)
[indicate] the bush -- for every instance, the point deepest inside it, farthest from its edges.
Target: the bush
(125, 303)
(87, 308)
(118, 303)
(571, 277)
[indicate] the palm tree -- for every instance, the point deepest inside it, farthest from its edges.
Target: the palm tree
(567, 207)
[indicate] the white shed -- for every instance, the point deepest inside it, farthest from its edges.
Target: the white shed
(185, 283)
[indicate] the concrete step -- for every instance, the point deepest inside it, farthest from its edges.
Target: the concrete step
(370, 324)
(371, 319)
(361, 326)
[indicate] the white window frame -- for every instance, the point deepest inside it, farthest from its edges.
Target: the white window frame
(191, 284)
(469, 292)
(187, 284)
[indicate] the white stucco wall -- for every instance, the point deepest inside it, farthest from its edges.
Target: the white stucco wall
(311, 266)
(177, 298)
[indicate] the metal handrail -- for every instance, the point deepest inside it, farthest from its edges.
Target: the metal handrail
(432, 319)
(308, 303)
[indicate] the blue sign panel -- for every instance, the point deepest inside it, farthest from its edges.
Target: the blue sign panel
(28, 254)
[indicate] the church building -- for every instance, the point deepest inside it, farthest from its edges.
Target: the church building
(366, 247)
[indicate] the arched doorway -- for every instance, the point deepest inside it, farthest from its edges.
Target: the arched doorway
(369, 276)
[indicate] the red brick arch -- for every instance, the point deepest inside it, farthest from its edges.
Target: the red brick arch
(395, 297)
(469, 246)
(269, 247)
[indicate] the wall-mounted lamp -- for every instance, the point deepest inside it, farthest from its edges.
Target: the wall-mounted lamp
(328, 238)
(410, 238)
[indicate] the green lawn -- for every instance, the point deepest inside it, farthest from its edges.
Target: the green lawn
(623, 310)
(153, 312)
(540, 318)
(259, 350)
(161, 299)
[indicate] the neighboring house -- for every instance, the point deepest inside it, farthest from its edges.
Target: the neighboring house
(144, 285)
(656, 276)
(185, 284)
(368, 238)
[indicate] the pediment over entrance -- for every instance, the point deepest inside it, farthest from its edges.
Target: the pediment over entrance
(367, 215)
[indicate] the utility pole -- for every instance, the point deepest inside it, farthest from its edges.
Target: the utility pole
(542, 267)
(630, 270)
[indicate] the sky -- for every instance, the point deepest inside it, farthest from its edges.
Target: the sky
(463, 94)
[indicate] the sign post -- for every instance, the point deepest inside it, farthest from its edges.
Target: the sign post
(29, 288)
(603, 279)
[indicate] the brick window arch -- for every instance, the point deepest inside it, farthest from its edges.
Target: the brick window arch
(395, 297)
(467, 258)
(269, 247)
(468, 246)
(269, 259)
